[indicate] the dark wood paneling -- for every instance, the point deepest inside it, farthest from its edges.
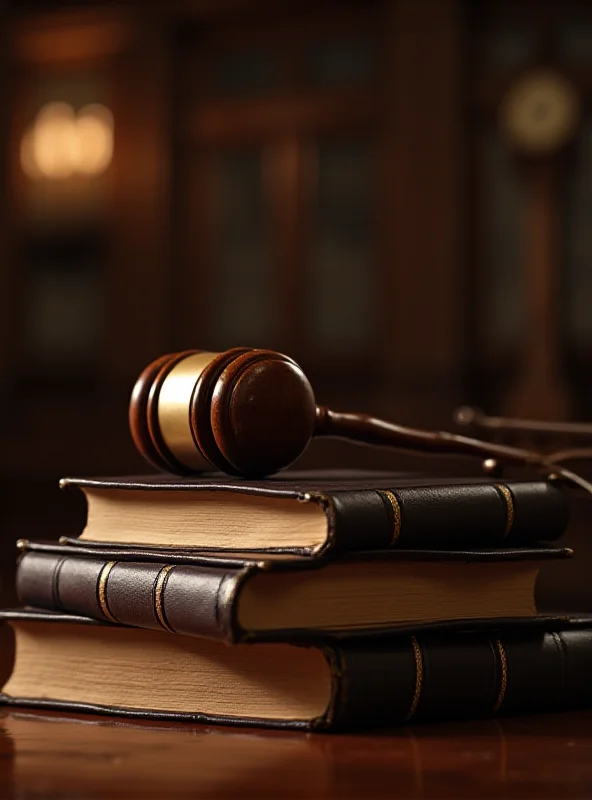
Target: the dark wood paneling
(312, 112)
(7, 272)
(423, 207)
(140, 273)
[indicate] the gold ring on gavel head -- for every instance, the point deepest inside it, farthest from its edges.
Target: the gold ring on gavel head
(174, 403)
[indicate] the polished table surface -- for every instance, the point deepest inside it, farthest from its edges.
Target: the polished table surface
(48, 755)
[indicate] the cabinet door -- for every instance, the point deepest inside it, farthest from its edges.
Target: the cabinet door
(277, 180)
(341, 298)
(84, 270)
(242, 305)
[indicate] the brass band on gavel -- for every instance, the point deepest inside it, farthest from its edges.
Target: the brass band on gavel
(243, 411)
(174, 402)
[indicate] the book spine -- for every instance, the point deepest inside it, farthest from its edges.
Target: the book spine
(461, 676)
(197, 601)
(445, 517)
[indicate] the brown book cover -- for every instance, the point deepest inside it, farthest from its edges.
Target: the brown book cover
(338, 683)
(318, 513)
(251, 598)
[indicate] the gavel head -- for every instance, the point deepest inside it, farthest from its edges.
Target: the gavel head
(245, 412)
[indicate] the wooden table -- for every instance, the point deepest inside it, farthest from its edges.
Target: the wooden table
(52, 756)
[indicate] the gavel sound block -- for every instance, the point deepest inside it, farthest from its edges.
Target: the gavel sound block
(253, 412)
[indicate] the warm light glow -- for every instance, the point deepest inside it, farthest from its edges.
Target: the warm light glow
(54, 141)
(61, 143)
(95, 139)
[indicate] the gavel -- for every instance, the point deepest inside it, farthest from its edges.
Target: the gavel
(251, 412)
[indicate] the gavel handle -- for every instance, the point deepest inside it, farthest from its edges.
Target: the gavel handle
(477, 420)
(371, 430)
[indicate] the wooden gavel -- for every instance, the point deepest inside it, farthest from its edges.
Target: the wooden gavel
(252, 412)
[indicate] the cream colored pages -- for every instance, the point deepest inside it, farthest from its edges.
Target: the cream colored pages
(138, 669)
(375, 593)
(202, 519)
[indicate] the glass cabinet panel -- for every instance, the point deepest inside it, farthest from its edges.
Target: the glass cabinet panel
(243, 308)
(244, 73)
(341, 63)
(63, 302)
(341, 300)
(502, 246)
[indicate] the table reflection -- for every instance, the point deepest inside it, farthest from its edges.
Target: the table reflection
(47, 755)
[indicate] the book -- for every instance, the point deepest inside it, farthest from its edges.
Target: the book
(247, 599)
(315, 513)
(343, 682)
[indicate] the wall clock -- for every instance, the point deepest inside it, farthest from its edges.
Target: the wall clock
(540, 112)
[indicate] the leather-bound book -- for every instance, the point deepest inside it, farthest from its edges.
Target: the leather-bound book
(336, 683)
(315, 513)
(248, 599)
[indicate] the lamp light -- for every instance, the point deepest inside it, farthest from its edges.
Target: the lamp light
(62, 143)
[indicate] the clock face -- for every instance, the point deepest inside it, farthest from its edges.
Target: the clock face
(540, 113)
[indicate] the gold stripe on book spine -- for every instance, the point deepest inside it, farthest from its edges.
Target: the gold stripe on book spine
(158, 597)
(418, 678)
(503, 661)
(102, 590)
(392, 498)
(509, 500)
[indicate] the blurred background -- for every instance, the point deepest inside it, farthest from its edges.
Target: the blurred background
(397, 194)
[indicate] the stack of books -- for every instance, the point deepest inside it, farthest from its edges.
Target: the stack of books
(310, 600)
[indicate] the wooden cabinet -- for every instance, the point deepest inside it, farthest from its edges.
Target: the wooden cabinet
(85, 262)
(278, 187)
(272, 178)
(283, 176)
